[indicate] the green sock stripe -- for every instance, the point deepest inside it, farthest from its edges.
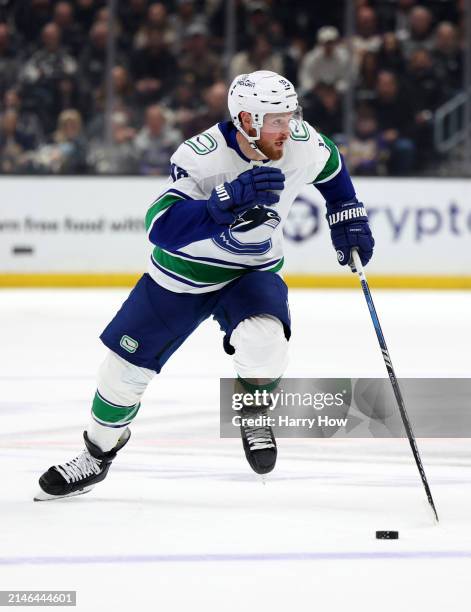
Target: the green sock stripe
(251, 388)
(108, 413)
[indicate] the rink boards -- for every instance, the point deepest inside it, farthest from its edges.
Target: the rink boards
(71, 231)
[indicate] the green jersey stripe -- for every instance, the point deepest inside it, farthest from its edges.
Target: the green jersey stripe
(333, 164)
(158, 207)
(175, 275)
(201, 272)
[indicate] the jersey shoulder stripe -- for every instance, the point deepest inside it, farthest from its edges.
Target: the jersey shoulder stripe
(333, 164)
(160, 205)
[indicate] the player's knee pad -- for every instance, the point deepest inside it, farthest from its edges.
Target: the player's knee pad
(261, 348)
(121, 382)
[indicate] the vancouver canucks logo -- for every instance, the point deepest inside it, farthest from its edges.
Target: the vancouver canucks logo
(129, 344)
(251, 233)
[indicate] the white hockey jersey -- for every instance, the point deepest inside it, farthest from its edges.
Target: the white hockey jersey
(209, 159)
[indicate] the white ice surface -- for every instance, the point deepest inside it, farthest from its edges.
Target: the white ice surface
(182, 523)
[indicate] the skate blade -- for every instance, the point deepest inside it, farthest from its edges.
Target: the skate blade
(43, 496)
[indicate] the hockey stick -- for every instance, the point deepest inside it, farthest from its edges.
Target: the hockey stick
(358, 267)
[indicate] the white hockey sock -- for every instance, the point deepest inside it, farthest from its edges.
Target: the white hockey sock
(103, 436)
(117, 400)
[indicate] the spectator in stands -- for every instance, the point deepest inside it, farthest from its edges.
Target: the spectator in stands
(44, 72)
(121, 40)
(390, 55)
(121, 156)
(395, 16)
(293, 54)
(448, 59)
(217, 21)
(426, 94)
(154, 69)
(276, 33)
(156, 142)
(71, 33)
(13, 143)
(327, 63)
(461, 7)
(9, 63)
(367, 76)
(182, 19)
(166, 55)
(50, 62)
(402, 16)
(290, 55)
(66, 154)
(197, 61)
(123, 90)
(71, 95)
(157, 19)
(28, 121)
(420, 34)
(31, 16)
(132, 13)
(70, 142)
(300, 20)
(85, 12)
(366, 37)
(102, 15)
(183, 104)
(395, 116)
(423, 85)
(259, 56)
(93, 59)
(322, 107)
(367, 153)
(123, 102)
(214, 110)
(258, 22)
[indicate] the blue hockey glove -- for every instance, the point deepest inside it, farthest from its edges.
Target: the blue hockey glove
(255, 186)
(349, 228)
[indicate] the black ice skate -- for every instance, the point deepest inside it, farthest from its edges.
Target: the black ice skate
(81, 474)
(258, 440)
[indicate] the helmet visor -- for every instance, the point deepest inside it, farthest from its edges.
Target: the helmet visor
(274, 123)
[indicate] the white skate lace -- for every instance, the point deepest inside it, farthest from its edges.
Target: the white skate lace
(258, 437)
(79, 468)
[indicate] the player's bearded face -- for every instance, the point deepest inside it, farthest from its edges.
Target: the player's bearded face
(274, 134)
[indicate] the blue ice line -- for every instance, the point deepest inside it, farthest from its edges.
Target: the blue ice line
(231, 557)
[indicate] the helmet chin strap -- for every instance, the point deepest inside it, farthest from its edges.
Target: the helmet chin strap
(251, 139)
(255, 148)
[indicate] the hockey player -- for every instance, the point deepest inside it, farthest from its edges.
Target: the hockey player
(217, 231)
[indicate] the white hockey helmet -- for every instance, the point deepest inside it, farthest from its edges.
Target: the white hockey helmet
(259, 93)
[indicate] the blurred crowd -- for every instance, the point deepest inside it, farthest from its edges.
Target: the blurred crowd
(170, 77)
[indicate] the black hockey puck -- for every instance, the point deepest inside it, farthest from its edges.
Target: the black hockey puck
(387, 535)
